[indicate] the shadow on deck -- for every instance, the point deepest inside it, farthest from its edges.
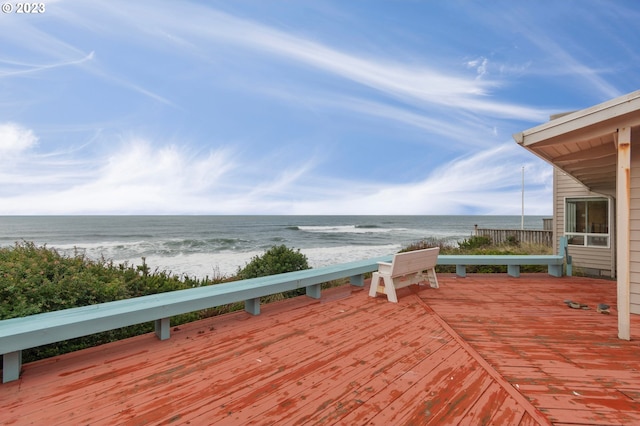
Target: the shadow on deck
(486, 349)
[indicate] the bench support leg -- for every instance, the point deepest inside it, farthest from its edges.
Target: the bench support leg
(513, 270)
(375, 281)
(11, 365)
(162, 328)
(432, 278)
(357, 280)
(388, 289)
(555, 270)
(252, 306)
(461, 270)
(314, 291)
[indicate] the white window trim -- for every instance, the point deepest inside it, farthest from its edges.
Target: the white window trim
(586, 235)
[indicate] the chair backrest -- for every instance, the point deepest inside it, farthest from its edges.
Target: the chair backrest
(414, 261)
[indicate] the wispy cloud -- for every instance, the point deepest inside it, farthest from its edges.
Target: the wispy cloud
(139, 177)
(135, 177)
(480, 65)
(488, 182)
(47, 52)
(569, 65)
(416, 83)
(15, 139)
(466, 129)
(103, 72)
(23, 68)
(561, 58)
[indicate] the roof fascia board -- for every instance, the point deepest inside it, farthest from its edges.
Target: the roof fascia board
(580, 120)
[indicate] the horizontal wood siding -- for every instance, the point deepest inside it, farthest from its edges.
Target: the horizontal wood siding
(499, 236)
(591, 257)
(583, 257)
(634, 235)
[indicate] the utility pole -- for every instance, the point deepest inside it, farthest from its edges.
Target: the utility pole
(522, 219)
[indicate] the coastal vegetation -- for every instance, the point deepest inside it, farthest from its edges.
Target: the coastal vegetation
(36, 279)
(276, 260)
(481, 245)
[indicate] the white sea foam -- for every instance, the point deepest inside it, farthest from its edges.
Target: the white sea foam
(325, 256)
(346, 229)
(196, 265)
(112, 250)
(201, 265)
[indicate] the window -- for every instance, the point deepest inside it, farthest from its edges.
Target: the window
(587, 222)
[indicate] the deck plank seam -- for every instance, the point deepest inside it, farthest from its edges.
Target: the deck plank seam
(536, 414)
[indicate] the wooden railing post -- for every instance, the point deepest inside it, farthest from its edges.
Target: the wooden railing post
(11, 365)
(314, 291)
(163, 328)
(357, 280)
(252, 306)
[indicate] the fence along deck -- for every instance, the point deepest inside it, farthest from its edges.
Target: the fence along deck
(529, 236)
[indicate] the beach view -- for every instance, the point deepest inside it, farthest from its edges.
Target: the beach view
(319, 212)
(199, 246)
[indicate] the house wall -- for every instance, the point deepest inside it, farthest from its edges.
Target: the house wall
(634, 216)
(598, 261)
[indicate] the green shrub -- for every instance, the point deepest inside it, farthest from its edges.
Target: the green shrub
(276, 260)
(474, 242)
(512, 240)
(426, 244)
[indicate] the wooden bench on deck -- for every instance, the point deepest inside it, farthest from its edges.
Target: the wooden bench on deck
(27, 332)
(404, 270)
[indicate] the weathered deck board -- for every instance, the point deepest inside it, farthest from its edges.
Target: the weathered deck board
(342, 359)
(568, 362)
(475, 351)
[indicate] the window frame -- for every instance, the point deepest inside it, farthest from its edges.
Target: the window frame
(587, 236)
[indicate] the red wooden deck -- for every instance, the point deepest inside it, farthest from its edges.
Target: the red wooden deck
(486, 349)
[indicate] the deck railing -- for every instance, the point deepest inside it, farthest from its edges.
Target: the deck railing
(17, 334)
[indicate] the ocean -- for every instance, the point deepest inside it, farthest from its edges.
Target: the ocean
(200, 246)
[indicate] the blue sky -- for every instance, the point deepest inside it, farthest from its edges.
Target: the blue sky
(297, 107)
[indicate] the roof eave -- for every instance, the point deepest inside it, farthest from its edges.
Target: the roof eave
(581, 120)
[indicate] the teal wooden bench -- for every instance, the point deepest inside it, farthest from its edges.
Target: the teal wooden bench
(17, 334)
(555, 263)
(513, 262)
